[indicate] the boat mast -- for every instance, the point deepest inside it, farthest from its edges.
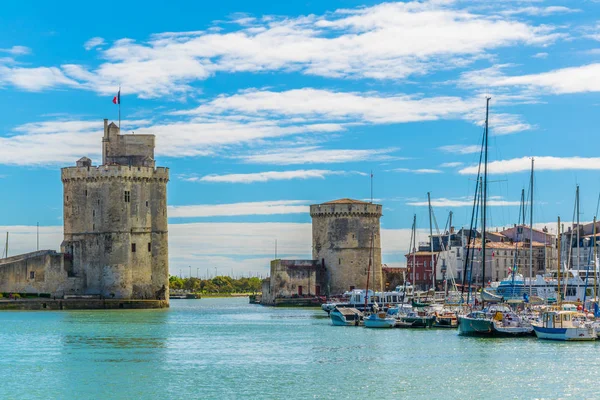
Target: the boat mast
(431, 242)
(484, 194)
(6, 247)
(414, 249)
(594, 264)
(531, 234)
(448, 249)
(558, 238)
(577, 206)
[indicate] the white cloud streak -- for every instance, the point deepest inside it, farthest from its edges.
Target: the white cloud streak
(417, 171)
(542, 163)
(460, 149)
(237, 209)
(93, 43)
(316, 155)
(444, 202)
(270, 176)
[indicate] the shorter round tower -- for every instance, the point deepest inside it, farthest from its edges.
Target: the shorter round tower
(346, 234)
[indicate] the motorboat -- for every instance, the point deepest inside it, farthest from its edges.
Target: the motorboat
(565, 326)
(379, 320)
(342, 316)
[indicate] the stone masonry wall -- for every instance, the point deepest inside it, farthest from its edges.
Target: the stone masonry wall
(342, 239)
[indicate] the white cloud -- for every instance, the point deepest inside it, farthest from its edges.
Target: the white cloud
(93, 43)
(451, 165)
(35, 79)
(579, 79)
(460, 149)
(540, 55)
(320, 104)
(316, 155)
(348, 43)
(236, 209)
(417, 171)
(269, 176)
(542, 163)
(17, 50)
(444, 202)
(539, 11)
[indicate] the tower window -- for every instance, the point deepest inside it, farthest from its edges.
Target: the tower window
(93, 213)
(340, 261)
(146, 204)
(98, 201)
(86, 193)
(31, 274)
(127, 196)
(149, 246)
(133, 247)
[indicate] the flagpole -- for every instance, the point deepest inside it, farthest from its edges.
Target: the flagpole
(119, 98)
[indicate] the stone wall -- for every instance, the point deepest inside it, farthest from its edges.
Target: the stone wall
(43, 271)
(342, 236)
(287, 276)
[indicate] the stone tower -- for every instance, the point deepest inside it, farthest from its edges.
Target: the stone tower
(115, 219)
(342, 231)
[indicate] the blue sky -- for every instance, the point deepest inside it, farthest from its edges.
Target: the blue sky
(261, 108)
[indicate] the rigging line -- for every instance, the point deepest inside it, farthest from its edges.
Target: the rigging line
(466, 263)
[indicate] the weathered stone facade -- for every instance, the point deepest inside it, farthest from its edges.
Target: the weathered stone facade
(115, 227)
(345, 236)
(345, 232)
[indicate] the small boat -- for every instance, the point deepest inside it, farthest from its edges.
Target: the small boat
(494, 321)
(446, 319)
(475, 323)
(511, 324)
(418, 320)
(379, 320)
(564, 325)
(342, 316)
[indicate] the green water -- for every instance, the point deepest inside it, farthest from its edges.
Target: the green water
(228, 349)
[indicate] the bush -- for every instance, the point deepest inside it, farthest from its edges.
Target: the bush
(15, 295)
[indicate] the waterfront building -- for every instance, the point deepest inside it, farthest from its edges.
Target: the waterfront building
(574, 253)
(115, 229)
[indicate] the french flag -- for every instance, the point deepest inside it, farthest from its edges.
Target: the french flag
(117, 98)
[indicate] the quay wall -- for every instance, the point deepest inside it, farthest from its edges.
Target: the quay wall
(80, 304)
(44, 271)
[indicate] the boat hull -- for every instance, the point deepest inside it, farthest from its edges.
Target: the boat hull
(379, 322)
(475, 326)
(419, 322)
(565, 334)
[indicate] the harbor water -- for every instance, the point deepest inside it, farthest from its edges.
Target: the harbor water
(228, 349)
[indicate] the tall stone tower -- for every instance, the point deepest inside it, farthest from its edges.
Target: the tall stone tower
(115, 219)
(342, 231)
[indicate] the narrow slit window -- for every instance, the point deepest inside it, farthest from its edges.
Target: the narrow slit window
(127, 196)
(149, 246)
(133, 247)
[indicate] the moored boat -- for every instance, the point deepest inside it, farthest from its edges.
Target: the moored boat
(342, 316)
(379, 320)
(564, 326)
(417, 320)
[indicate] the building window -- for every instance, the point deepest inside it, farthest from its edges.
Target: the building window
(127, 196)
(149, 246)
(93, 213)
(93, 227)
(98, 201)
(133, 247)
(86, 193)
(339, 261)
(31, 274)
(299, 290)
(146, 204)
